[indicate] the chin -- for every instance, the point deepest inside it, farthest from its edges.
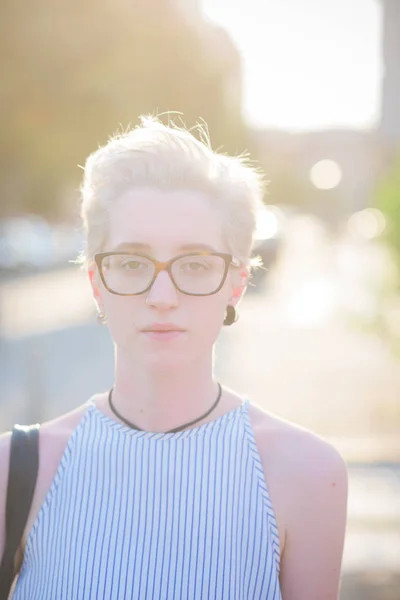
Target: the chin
(162, 358)
(164, 364)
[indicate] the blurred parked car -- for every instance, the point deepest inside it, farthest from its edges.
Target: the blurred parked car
(26, 243)
(30, 244)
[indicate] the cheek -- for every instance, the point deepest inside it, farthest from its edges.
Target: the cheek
(207, 317)
(121, 312)
(214, 307)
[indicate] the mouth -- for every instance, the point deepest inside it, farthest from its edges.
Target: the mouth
(163, 328)
(163, 334)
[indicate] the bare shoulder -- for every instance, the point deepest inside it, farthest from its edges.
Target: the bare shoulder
(308, 482)
(53, 438)
(299, 447)
(298, 464)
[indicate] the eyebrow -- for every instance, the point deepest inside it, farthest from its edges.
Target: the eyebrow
(141, 246)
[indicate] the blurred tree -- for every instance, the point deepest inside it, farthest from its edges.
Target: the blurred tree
(287, 187)
(72, 73)
(387, 199)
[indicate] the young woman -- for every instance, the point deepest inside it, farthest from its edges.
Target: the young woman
(170, 485)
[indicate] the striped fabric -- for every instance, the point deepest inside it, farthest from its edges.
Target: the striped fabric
(141, 515)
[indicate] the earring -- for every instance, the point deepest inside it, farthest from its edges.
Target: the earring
(231, 315)
(101, 318)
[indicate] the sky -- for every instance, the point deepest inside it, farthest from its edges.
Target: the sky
(307, 64)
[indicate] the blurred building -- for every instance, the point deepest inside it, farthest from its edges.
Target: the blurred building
(363, 156)
(289, 158)
(390, 111)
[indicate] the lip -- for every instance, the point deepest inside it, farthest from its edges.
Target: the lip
(163, 328)
(163, 336)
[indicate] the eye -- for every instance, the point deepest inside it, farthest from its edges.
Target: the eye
(195, 266)
(133, 265)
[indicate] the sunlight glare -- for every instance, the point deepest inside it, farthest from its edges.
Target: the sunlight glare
(267, 224)
(306, 65)
(312, 304)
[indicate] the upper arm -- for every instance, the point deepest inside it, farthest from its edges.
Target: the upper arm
(4, 462)
(316, 523)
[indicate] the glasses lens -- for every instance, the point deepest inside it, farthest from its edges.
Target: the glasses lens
(198, 274)
(127, 274)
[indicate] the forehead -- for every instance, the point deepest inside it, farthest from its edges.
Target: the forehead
(165, 219)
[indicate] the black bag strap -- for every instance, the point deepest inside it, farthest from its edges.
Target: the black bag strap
(22, 475)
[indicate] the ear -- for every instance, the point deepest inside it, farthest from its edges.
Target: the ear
(94, 280)
(240, 281)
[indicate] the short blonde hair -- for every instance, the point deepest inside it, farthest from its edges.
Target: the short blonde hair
(170, 157)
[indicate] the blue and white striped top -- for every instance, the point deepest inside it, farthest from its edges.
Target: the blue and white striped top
(139, 515)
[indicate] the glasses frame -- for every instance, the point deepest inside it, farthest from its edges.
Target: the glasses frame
(229, 259)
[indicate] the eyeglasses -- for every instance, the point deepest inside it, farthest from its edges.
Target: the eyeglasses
(194, 274)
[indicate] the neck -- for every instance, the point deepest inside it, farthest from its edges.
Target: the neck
(159, 401)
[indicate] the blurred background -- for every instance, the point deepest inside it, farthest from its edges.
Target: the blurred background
(312, 90)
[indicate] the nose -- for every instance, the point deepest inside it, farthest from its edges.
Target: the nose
(162, 294)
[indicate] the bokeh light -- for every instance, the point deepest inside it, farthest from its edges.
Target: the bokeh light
(366, 224)
(326, 174)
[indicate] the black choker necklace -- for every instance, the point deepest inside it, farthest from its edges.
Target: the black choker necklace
(133, 426)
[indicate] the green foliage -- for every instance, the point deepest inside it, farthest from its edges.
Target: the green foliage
(388, 201)
(75, 72)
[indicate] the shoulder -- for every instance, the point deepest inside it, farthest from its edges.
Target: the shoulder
(313, 471)
(297, 451)
(53, 438)
(303, 460)
(309, 481)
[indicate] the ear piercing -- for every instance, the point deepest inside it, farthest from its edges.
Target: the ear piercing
(231, 315)
(101, 318)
